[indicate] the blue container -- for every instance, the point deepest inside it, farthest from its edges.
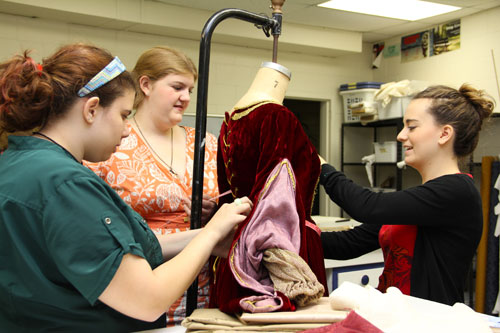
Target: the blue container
(360, 85)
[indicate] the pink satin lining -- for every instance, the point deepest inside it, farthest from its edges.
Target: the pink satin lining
(313, 227)
(274, 224)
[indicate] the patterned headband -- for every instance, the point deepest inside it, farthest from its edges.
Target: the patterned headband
(112, 70)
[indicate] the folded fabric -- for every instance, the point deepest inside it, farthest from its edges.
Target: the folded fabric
(394, 312)
(353, 323)
(363, 108)
(398, 89)
(214, 320)
(319, 312)
(368, 119)
(292, 276)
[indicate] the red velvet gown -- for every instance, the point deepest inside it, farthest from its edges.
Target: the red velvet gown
(252, 141)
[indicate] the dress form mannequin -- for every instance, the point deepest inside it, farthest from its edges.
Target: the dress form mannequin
(269, 84)
(257, 135)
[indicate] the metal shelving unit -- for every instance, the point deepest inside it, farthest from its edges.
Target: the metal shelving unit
(396, 123)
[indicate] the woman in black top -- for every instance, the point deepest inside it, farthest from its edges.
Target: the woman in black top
(428, 233)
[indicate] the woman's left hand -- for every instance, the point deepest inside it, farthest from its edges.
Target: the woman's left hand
(208, 207)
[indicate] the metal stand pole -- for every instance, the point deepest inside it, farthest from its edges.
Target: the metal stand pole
(201, 118)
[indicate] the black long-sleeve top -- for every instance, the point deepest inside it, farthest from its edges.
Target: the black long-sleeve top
(447, 212)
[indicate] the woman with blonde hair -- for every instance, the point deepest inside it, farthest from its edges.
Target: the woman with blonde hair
(152, 169)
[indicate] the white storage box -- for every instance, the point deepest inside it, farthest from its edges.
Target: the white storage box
(355, 93)
(385, 151)
(395, 109)
(353, 97)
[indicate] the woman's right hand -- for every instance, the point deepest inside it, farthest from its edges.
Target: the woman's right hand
(225, 221)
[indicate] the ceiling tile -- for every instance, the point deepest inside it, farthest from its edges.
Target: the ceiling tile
(450, 16)
(306, 12)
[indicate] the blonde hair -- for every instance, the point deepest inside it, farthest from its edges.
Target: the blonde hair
(158, 62)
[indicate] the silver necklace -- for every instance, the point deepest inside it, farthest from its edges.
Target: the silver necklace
(169, 166)
(57, 144)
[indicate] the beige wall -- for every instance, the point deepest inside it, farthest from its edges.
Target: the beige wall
(232, 68)
(472, 63)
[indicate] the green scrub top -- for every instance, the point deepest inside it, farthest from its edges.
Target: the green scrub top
(63, 233)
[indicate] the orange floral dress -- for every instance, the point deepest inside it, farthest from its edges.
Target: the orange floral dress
(144, 183)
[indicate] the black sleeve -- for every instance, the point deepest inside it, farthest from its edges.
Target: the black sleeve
(438, 202)
(349, 244)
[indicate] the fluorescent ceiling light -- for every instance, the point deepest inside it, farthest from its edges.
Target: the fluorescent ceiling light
(411, 10)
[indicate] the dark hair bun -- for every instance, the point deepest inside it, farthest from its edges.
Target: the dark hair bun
(482, 102)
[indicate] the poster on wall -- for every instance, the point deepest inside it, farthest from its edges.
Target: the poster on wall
(415, 46)
(391, 51)
(446, 37)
